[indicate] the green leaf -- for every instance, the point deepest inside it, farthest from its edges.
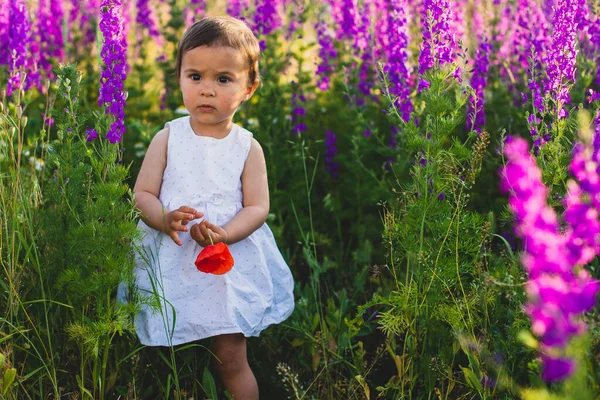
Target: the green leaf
(472, 380)
(82, 387)
(9, 376)
(208, 385)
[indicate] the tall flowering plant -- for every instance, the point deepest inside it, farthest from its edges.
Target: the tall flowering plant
(562, 53)
(327, 54)
(20, 46)
(475, 112)
(439, 42)
(113, 72)
(559, 289)
(396, 66)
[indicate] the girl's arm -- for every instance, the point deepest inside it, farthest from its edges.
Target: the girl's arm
(147, 189)
(255, 191)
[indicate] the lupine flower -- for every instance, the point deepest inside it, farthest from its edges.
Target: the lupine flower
(596, 139)
(531, 29)
(438, 41)
(396, 69)
(562, 53)
(327, 54)
(145, 18)
(4, 36)
(91, 134)
(558, 291)
(75, 9)
(266, 19)
(50, 34)
(20, 47)
(362, 43)
(456, 21)
(330, 153)
(478, 83)
(502, 31)
(199, 7)
(112, 73)
(582, 16)
(126, 19)
(88, 21)
(382, 29)
(345, 15)
(594, 38)
(298, 111)
(294, 19)
(236, 8)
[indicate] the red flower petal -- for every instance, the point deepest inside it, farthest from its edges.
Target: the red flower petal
(215, 259)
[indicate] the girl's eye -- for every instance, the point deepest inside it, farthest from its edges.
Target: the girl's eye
(195, 77)
(223, 79)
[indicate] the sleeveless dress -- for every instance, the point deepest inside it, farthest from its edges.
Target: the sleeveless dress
(185, 304)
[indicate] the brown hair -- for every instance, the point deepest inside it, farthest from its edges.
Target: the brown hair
(221, 31)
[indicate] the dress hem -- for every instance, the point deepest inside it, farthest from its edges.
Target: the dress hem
(231, 330)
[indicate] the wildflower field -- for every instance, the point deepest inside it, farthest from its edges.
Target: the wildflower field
(434, 182)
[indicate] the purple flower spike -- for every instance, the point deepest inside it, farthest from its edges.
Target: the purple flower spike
(396, 67)
(562, 52)
(266, 18)
(439, 41)
(596, 139)
(235, 8)
(478, 83)
(20, 48)
(113, 72)
(558, 290)
(298, 111)
(145, 18)
(327, 54)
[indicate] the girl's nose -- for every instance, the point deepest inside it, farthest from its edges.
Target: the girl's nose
(207, 89)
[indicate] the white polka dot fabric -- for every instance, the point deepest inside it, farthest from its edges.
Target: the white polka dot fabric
(205, 173)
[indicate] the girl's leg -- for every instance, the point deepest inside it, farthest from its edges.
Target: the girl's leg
(233, 367)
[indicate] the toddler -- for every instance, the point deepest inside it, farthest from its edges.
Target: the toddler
(204, 181)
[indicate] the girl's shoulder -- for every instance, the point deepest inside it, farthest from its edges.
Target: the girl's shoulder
(178, 124)
(244, 138)
(244, 132)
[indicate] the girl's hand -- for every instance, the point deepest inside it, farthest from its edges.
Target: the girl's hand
(176, 221)
(205, 234)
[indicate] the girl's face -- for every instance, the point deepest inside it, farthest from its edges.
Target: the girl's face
(214, 82)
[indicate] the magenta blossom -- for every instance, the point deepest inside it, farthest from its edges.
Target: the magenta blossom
(559, 290)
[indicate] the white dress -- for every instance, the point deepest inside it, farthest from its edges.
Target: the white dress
(205, 173)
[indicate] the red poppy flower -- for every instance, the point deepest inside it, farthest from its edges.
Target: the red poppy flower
(215, 259)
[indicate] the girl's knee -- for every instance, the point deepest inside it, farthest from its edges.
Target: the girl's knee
(230, 364)
(230, 352)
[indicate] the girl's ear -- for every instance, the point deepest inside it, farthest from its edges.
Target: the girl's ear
(250, 90)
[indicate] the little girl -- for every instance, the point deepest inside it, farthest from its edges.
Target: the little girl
(204, 181)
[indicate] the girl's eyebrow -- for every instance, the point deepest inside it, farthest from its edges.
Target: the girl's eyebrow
(224, 72)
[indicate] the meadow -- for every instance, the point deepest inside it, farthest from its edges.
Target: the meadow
(434, 184)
